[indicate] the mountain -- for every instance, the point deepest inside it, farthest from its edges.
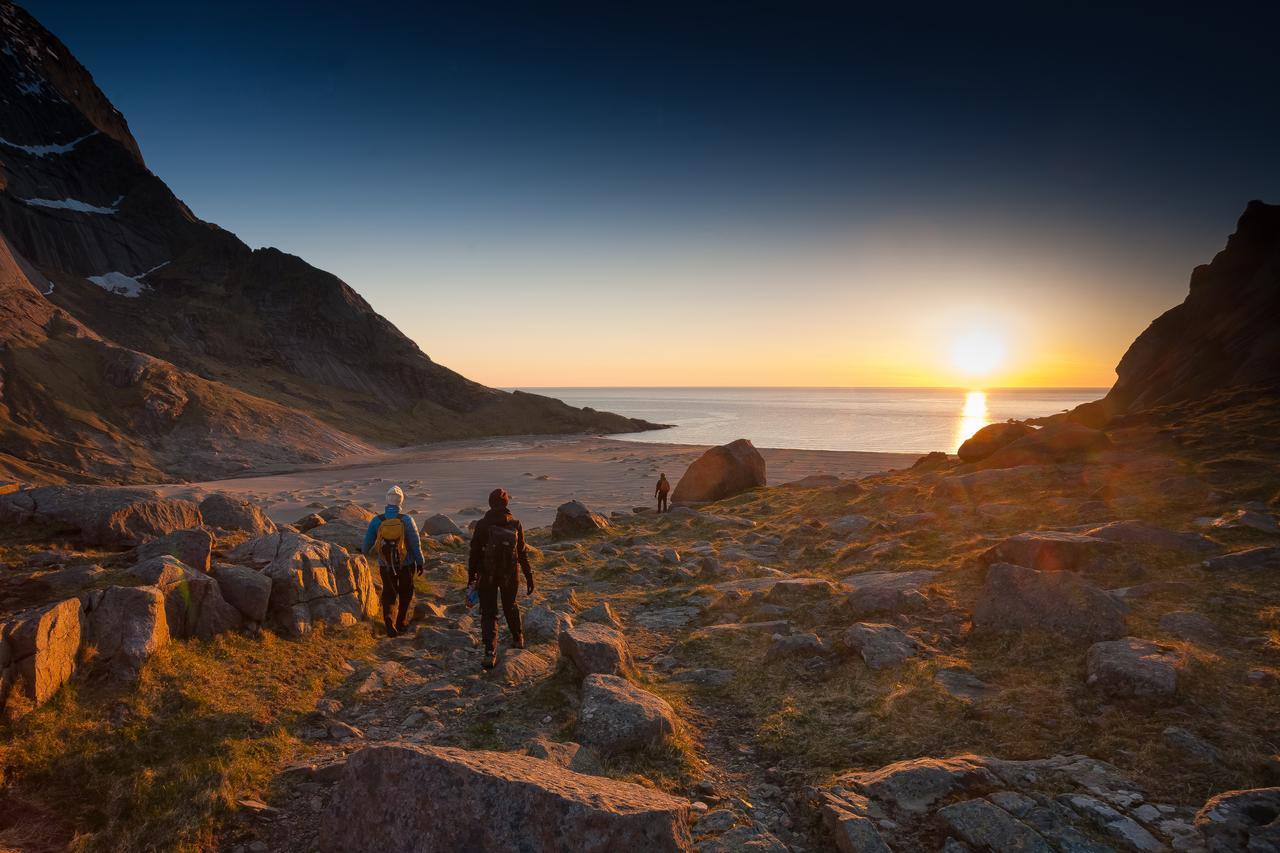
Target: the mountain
(94, 238)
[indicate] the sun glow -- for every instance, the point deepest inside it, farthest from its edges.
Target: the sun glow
(973, 416)
(977, 352)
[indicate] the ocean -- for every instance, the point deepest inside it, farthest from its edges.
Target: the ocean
(900, 420)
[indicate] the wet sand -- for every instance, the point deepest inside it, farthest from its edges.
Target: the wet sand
(540, 472)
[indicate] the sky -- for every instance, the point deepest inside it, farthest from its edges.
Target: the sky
(716, 193)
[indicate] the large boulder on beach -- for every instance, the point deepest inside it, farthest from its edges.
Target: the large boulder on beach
(721, 472)
(617, 717)
(128, 625)
(991, 438)
(440, 525)
(102, 515)
(575, 519)
(406, 798)
(311, 581)
(231, 513)
(1016, 599)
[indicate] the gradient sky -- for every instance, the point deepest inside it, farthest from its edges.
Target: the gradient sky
(801, 195)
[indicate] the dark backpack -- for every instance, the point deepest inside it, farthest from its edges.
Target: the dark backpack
(500, 546)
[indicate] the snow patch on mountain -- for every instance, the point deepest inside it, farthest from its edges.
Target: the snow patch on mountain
(74, 204)
(130, 286)
(46, 150)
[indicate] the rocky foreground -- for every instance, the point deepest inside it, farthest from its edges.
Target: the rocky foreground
(1068, 642)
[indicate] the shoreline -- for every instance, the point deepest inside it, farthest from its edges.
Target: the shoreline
(540, 472)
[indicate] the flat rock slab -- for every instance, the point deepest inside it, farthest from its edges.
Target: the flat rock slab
(779, 626)
(1250, 559)
(1018, 599)
(888, 592)
(963, 685)
(403, 799)
(1133, 667)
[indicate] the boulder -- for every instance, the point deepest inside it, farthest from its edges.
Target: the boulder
(1015, 599)
(103, 515)
(543, 623)
(1191, 746)
(570, 755)
(1057, 443)
(848, 524)
(1189, 625)
(787, 646)
(230, 513)
(194, 606)
(517, 666)
(348, 511)
(43, 648)
(601, 614)
(915, 786)
(721, 472)
(192, 548)
(851, 825)
(345, 534)
(881, 646)
(396, 799)
(595, 648)
(1051, 551)
(311, 581)
(128, 625)
(440, 525)
(991, 438)
(617, 717)
(1133, 667)
(308, 523)
(888, 592)
(1241, 821)
(744, 839)
(1148, 535)
(574, 519)
(247, 590)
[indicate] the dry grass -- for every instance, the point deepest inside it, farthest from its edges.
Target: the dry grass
(156, 767)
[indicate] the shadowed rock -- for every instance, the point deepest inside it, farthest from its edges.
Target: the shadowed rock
(617, 717)
(128, 625)
(194, 605)
(43, 647)
(888, 592)
(1133, 667)
(454, 799)
(881, 646)
(595, 648)
(721, 472)
(103, 515)
(1051, 551)
(574, 519)
(1016, 599)
(192, 548)
(231, 513)
(247, 590)
(991, 438)
(1241, 821)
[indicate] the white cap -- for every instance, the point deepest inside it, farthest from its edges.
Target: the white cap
(395, 496)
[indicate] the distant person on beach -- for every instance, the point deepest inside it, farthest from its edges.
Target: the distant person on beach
(394, 537)
(661, 491)
(497, 547)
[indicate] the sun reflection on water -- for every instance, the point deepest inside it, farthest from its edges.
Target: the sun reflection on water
(973, 416)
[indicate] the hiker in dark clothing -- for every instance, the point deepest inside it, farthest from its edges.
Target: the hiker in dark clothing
(497, 547)
(661, 491)
(394, 538)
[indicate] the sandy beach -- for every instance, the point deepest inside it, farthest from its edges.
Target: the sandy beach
(540, 473)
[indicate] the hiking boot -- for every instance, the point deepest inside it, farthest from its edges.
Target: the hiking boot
(517, 643)
(401, 627)
(391, 629)
(490, 660)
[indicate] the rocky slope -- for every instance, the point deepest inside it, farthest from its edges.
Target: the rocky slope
(126, 259)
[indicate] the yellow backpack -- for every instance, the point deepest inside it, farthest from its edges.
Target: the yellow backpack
(390, 541)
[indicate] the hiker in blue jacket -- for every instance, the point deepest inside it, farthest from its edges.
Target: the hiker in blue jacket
(394, 537)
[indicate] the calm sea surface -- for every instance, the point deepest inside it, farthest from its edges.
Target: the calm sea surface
(914, 420)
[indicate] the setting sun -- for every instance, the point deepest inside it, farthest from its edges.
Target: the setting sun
(978, 352)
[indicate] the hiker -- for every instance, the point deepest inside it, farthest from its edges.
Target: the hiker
(497, 546)
(661, 491)
(394, 537)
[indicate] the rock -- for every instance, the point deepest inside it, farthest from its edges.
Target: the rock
(795, 646)
(1148, 535)
(310, 581)
(601, 614)
(668, 617)
(596, 649)
(1016, 599)
(985, 825)
(1250, 518)
(517, 666)
(744, 839)
(440, 525)
(543, 623)
(246, 590)
(1188, 625)
(230, 513)
(715, 821)
(444, 639)
(454, 799)
(888, 592)
(915, 786)
(1051, 551)
(854, 831)
(309, 522)
(574, 519)
(1245, 821)
(791, 592)
(1053, 444)
(192, 548)
(1250, 559)
(881, 646)
(128, 626)
(617, 717)
(847, 524)
(1112, 823)
(43, 648)
(194, 605)
(570, 755)
(991, 438)
(347, 511)
(960, 683)
(729, 630)
(345, 534)
(721, 472)
(103, 515)
(1132, 667)
(1196, 748)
